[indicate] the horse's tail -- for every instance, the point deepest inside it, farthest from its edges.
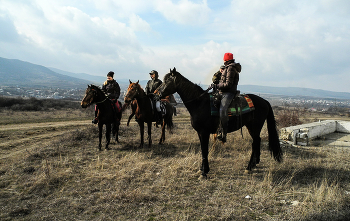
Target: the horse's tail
(169, 120)
(274, 143)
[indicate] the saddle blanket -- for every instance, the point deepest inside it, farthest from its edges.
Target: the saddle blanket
(240, 105)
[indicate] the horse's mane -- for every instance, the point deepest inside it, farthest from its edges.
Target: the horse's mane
(189, 86)
(97, 88)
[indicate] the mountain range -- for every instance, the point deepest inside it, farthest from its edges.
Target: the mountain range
(19, 73)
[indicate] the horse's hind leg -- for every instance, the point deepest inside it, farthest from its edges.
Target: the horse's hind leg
(115, 131)
(142, 128)
(162, 137)
(108, 135)
(149, 129)
(255, 157)
(100, 127)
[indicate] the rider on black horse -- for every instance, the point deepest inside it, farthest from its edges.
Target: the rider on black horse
(151, 86)
(112, 90)
(226, 83)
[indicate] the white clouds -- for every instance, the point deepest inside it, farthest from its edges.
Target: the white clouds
(184, 12)
(138, 24)
(275, 41)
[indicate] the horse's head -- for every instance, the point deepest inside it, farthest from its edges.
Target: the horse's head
(92, 95)
(133, 91)
(169, 85)
(88, 99)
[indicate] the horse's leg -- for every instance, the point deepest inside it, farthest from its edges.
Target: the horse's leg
(162, 137)
(100, 127)
(117, 134)
(130, 117)
(204, 140)
(108, 135)
(255, 156)
(149, 130)
(142, 128)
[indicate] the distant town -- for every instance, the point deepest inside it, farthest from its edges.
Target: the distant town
(310, 103)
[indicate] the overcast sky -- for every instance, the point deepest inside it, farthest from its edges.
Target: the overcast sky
(278, 43)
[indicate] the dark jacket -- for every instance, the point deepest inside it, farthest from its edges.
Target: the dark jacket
(152, 85)
(112, 89)
(230, 77)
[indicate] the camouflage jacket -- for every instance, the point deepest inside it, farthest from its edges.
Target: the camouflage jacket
(152, 85)
(229, 77)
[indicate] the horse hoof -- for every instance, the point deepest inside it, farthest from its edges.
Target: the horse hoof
(247, 172)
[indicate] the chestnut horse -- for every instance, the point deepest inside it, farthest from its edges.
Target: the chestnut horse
(197, 102)
(106, 114)
(145, 112)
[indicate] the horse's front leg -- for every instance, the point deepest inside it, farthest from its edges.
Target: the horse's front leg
(100, 127)
(204, 140)
(129, 119)
(162, 137)
(149, 131)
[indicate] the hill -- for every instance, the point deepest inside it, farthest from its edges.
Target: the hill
(14, 72)
(293, 91)
(98, 80)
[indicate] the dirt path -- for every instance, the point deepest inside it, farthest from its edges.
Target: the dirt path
(20, 138)
(42, 125)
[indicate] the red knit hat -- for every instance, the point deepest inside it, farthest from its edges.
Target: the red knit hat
(228, 56)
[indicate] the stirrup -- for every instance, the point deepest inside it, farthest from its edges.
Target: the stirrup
(95, 121)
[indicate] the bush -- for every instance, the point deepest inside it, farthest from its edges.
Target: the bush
(34, 104)
(288, 117)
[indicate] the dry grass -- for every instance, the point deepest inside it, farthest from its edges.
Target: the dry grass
(69, 179)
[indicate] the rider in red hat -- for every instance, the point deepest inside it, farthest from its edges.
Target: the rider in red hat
(227, 87)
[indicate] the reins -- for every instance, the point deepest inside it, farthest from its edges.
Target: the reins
(206, 91)
(101, 101)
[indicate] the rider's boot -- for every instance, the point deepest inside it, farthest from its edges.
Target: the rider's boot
(223, 130)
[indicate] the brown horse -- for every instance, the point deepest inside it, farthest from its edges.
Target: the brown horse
(145, 112)
(106, 114)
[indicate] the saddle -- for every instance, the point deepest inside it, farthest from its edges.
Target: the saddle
(154, 110)
(241, 104)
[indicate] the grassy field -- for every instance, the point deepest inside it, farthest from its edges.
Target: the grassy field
(65, 177)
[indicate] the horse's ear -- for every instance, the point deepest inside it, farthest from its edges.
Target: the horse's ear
(174, 70)
(130, 81)
(137, 82)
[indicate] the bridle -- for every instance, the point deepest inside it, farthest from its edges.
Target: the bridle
(94, 94)
(136, 92)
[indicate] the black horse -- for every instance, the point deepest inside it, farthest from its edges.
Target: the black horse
(106, 114)
(197, 101)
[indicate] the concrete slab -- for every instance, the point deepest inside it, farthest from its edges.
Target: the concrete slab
(332, 132)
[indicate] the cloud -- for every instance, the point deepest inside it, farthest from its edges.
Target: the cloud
(278, 43)
(184, 12)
